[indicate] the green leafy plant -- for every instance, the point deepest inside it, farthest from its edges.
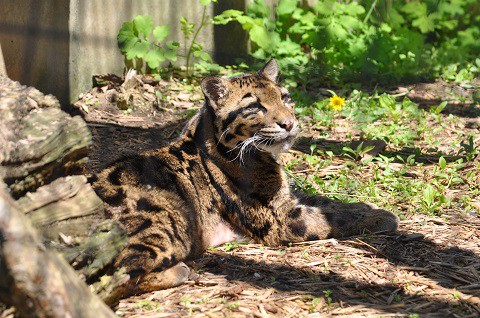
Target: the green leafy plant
(313, 305)
(382, 117)
(233, 305)
(456, 73)
(432, 199)
(146, 46)
(193, 50)
(328, 293)
(136, 43)
(366, 40)
(230, 246)
(148, 305)
(469, 149)
(357, 153)
(270, 36)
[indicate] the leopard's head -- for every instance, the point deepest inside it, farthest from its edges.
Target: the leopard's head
(251, 111)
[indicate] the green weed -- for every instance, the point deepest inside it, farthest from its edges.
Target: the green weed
(230, 246)
(372, 41)
(145, 49)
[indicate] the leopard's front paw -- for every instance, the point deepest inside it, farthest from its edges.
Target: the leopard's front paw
(379, 220)
(348, 219)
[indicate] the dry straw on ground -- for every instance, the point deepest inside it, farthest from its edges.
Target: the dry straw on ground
(431, 267)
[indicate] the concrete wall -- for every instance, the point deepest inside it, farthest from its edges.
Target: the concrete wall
(3, 69)
(57, 45)
(35, 42)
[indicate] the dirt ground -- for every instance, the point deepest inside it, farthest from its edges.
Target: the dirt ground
(430, 268)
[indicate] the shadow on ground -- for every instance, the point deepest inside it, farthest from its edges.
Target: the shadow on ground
(401, 274)
(110, 141)
(431, 264)
(303, 144)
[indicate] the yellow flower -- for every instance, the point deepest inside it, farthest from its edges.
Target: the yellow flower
(337, 102)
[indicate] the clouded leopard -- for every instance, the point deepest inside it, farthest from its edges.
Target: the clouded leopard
(221, 181)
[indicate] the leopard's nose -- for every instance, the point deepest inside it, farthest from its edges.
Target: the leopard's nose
(286, 124)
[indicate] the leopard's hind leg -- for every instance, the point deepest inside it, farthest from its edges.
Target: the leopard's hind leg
(153, 262)
(162, 234)
(316, 217)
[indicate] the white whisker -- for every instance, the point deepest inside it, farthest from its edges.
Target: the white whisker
(245, 147)
(223, 133)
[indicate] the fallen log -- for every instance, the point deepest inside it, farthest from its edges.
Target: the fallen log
(54, 234)
(39, 142)
(36, 280)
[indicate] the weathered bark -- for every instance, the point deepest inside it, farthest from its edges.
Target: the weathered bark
(70, 217)
(37, 281)
(67, 205)
(38, 141)
(55, 213)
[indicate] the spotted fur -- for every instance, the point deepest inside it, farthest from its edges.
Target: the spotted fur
(221, 181)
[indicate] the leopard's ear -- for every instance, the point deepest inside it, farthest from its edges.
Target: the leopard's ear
(270, 70)
(215, 89)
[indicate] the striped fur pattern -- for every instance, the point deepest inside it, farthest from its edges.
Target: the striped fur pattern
(220, 181)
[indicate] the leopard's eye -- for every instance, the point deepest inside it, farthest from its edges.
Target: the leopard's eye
(287, 100)
(256, 106)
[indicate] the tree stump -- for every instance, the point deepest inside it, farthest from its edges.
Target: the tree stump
(48, 209)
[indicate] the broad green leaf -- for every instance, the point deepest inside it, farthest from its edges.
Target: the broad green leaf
(203, 55)
(260, 36)
(259, 54)
(449, 24)
(324, 8)
(337, 31)
(259, 8)
(385, 28)
(161, 32)
(353, 8)
(246, 22)
(139, 49)
(171, 52)
(469, 36)
(457, 180)
(351, 22)
(287, 47)
(227, 16)
(143, 24)
(196, 47)
(154, 57)
(415, 9)
(205, 2)
(425, 23)
(441, 107)
(126, 37)
(429, 195)
(395, 19)
(306, 18)
(173, 45)
(451, 7)
(386, 101)
(441, 175)
(442, 163)
(286, 7)
(357, 48)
